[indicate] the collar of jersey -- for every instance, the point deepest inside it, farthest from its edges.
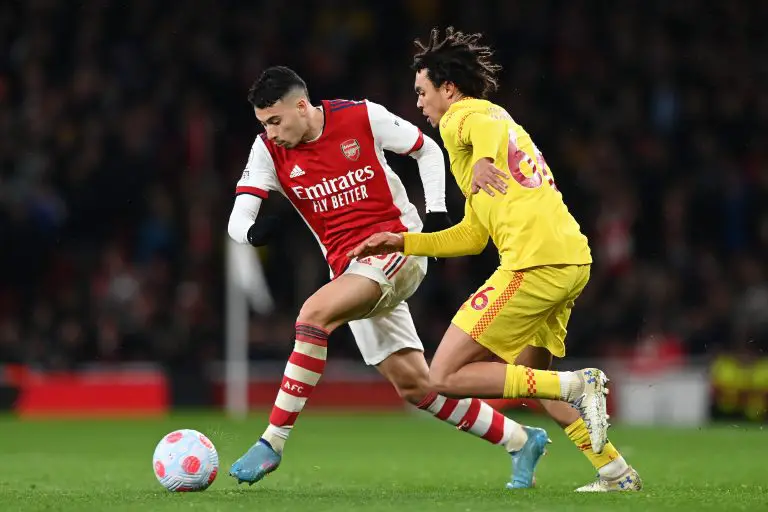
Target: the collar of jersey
(460, 103)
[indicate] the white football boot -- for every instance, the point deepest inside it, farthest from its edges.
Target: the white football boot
(591, 405)
(627, 481)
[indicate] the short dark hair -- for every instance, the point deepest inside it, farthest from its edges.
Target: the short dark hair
(272, 86)
(458, 58)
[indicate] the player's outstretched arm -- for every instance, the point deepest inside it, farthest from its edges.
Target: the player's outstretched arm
(465, 238)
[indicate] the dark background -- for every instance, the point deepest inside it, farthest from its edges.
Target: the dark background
(124, 127)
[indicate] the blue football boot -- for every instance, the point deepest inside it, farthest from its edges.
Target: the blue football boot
(525, 459)
(260, 460)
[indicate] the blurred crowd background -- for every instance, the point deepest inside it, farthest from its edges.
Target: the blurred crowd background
(124, 127)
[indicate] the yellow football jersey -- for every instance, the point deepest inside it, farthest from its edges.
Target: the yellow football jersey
(530, 224)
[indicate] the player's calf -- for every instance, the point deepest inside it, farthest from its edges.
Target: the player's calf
(302, 373)
(584, 389)
(408, 372)
(458, 370)
(336, 303)
(526, 445)
(476, 417)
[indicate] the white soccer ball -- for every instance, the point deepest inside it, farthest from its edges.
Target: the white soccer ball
(185, 460)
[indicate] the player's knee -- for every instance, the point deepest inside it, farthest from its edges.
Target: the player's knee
(312, 312)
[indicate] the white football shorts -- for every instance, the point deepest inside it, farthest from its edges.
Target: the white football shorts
(388, 327)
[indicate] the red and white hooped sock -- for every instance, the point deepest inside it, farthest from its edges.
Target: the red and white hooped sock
(302, 373)
(476, 417)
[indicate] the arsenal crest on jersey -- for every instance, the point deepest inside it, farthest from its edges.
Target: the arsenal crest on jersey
(351, 149)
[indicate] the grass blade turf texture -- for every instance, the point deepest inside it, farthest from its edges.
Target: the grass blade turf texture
(371, 462)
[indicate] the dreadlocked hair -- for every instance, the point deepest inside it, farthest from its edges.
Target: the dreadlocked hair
(458, 58)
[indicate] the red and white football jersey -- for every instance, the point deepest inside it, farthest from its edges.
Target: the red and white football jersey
(340, 183)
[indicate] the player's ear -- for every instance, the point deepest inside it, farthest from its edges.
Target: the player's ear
(302, 105)
(448, 89)
(452, 89)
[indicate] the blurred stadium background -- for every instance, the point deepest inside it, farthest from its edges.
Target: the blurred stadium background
(124, 127)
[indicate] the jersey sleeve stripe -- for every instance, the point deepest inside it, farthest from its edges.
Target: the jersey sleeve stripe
(254, 191)
(342, 106)
(417, 145)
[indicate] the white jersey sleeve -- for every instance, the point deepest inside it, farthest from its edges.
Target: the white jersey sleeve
(391, 132)
(259, 176)
(394, 133)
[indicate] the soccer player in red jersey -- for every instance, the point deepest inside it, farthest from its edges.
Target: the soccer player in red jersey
(328, 161)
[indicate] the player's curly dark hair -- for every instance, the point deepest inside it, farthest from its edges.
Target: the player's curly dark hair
(272, 86)
(458, 58)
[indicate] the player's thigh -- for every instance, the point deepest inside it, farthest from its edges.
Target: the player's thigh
(397, 275)
(346, 298)
(456, 350)
(380, 336)
(504, 313)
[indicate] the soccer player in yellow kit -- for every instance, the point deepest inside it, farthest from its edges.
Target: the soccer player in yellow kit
(521, 312)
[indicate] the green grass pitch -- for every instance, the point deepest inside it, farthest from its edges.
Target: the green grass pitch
(371, 462)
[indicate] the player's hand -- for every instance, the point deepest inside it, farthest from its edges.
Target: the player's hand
(436, 221)
(380, 243)
(486, 175)
(263, 230)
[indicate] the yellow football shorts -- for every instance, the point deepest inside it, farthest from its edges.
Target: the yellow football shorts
(528, 307)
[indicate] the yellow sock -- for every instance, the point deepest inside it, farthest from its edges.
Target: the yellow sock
(524, 382)
(577, 432)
